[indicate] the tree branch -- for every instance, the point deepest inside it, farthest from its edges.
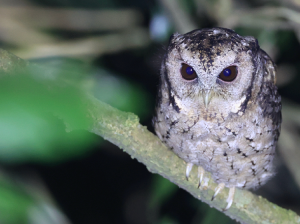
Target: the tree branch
(123, 129)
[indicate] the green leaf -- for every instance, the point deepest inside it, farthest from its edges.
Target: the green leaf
(14, 204)
(122, 94)
(32, 111)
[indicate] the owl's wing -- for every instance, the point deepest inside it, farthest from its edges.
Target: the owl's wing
(269, 68)
(269, 98)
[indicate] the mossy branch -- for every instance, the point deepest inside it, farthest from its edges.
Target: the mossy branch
(123, 129)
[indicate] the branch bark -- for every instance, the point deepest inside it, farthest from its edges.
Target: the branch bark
(123, 129)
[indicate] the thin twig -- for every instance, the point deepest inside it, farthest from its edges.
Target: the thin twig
(72, 19)
(92, 46)
(182, 21)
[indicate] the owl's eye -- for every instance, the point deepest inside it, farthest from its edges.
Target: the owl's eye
(228, 74)
(187, 72)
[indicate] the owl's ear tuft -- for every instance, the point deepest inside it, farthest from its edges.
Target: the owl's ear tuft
(254, 46)
(252, 40)
(174, 37)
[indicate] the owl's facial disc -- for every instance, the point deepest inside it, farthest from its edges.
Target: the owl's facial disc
(228, 75)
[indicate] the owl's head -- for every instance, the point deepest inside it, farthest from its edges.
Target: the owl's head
(214, 70)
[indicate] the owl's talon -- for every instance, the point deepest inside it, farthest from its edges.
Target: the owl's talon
(188, 170)
(217, 190)
(230, 198)
(201, 172)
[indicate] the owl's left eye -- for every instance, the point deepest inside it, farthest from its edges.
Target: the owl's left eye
(187, 72)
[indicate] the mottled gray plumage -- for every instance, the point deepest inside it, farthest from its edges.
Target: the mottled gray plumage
(228, 128)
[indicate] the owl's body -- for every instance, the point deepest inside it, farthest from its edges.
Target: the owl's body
(228, 126)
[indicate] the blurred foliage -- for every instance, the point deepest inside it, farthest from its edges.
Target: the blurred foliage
(168, 220)
(23, 202)
(39, 104)
(162, 190)
(92, 4)
(120, 93)
(31, 114)
(14, 204)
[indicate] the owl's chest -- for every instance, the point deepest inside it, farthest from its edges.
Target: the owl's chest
(200, 138)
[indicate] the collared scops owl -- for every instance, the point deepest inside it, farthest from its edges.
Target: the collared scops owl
(218, 107)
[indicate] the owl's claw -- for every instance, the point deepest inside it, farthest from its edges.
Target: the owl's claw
(201, 172)
(230, 198)
(188, 170)
(217, 190)
(220, 186)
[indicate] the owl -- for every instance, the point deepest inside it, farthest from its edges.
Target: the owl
(218, 107)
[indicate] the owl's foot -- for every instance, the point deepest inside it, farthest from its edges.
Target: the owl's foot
(230, 198)
(201, 172)
(217, 190)
(188, 170)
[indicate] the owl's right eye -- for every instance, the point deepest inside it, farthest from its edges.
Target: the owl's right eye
(187, 72)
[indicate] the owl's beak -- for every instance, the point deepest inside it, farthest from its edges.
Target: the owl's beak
(207, 95)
